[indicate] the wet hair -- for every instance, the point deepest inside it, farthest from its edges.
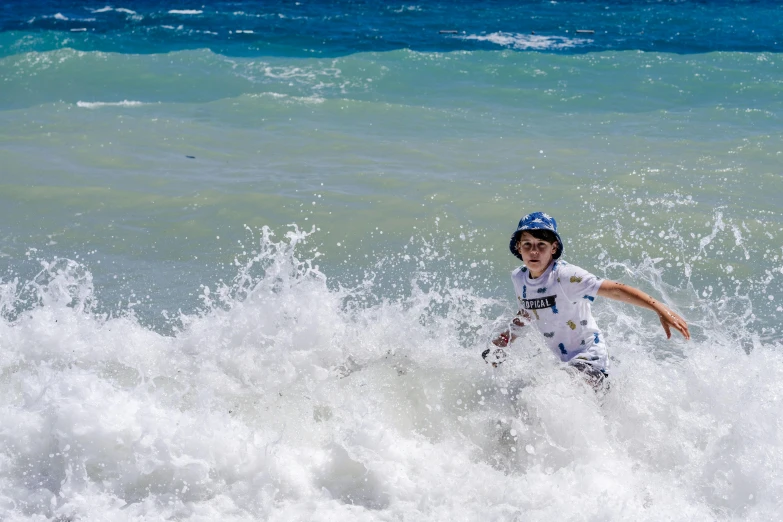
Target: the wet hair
(544, 235)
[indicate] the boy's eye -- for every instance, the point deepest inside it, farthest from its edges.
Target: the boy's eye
(540, 246)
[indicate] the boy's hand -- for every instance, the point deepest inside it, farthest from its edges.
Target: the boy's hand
(670, 320)
(502, 340)
(494, 357)
(506, 337)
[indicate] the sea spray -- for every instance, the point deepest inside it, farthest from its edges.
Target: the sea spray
(287, 398)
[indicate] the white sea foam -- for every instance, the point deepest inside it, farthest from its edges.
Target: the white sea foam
(108, 9)
(528, 41)
(293, 72)
(290, 99)
(60, 16)
(97, 105)
(289, 399)
(404, 8)
(309, 99)
(185, 11)
(255, 15)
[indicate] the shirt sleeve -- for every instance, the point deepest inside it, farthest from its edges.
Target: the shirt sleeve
(578, 283)
(516, 278)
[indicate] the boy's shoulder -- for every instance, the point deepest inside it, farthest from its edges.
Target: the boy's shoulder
(572, 273)
(562, 267)
(519, 270)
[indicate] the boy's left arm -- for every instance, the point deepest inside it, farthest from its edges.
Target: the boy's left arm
(629, 294)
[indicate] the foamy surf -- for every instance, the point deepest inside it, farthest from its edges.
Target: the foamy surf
(98, 105)
(109, 9)
(288, 398)
(526, 42)
(185, 11)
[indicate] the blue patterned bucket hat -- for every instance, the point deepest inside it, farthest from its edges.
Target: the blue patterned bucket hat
(536, 221)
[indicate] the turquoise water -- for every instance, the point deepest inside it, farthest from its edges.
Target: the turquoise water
(633, 142)
(250, 274)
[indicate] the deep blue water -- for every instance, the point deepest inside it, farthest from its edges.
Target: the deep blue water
(284, 28)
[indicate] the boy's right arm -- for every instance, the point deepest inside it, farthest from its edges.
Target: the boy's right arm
(669, 319)
(508, 336)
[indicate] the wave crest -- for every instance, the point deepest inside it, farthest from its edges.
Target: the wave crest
(527, 42)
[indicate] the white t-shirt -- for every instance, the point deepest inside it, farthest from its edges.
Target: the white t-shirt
(558, 304)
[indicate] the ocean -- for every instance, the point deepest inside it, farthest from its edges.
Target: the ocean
(250, 255)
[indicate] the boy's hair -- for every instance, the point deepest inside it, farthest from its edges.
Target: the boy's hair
(544, 235)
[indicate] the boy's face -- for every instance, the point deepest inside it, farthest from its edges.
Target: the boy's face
(536, 253)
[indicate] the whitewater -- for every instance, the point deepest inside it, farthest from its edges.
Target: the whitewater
(287, 398)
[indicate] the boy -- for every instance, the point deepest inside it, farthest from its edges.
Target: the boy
(556, 297)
